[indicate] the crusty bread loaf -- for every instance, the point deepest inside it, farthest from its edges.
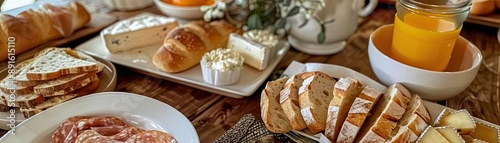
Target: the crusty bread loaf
(184, 46)
(385, 116)
(344, 93)
(358, 113)
(314, 96)
(289, 100)
(411, 125)
(31, 28)
(273, 116)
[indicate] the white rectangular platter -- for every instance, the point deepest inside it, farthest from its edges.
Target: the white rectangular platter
(141, 59)
(339, 71)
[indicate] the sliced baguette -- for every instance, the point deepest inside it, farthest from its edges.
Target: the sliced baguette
(344, 93)
(390, 108)
(50, 102)
(273, 116)
(314, 96)
(289, 100)
(358, 113)
(57, 63)
(411, 124)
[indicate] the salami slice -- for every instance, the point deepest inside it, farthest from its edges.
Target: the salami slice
(64, 130)
(126, 134)
(85, 124)
(152, 136)
(92, 136)
(109, 130)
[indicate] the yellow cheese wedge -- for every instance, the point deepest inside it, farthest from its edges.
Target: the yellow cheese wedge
(486, 133)
(451, 134)
(443, 113)
(431, 135)
(461, 120)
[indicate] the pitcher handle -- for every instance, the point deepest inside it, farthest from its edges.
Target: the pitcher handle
(366, 10)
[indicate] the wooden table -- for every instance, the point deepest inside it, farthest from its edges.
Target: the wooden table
(213, 114)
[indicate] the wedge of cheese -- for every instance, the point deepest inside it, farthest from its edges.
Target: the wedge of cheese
(451, 134)
(358, 113)
(486, 132)
(314, 96)
(137, 32)
(344, 93)
(386, 114)
(461, 120)
(431, 135)
(256, 55)
(439, 118)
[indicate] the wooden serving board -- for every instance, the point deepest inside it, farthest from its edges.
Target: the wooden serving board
(98, 22)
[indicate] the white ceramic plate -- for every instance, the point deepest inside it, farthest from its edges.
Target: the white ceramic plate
(138, 110)
(141, 59)
(339, 71)
(107, 83)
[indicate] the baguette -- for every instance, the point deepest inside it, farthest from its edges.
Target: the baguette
(184, 46)
(344, 93)
(32, 28)
(272, 114)
(388, 111)
(358, 113)
(411, 125)
(314, 96)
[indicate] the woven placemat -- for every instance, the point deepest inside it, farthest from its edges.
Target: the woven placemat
(251, 130)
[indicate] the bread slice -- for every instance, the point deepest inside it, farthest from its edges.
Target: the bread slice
(58, 62)
(273, 116)
(289, 100)
(66, 83)
(50, 102)
(76, 85)
(344, 93)
(411, 125)
(9, 84)
(23, 101)
(314, 96)
(358, 113)
(390, 108)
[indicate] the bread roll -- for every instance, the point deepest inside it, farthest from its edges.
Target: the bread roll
(482, 7)
(31, 28)
(184, 46)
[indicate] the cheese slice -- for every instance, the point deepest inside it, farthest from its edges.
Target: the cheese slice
(451, 134)
(461, 120)
(479, 141)
(486, 132)
(137, 32)
(431, 135)
(255, 54)
(443, 113)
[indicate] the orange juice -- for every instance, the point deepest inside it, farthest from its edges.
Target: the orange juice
(424, 41)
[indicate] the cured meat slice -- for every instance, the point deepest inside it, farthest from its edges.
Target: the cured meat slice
(109, 130)
(85, 124)
(152, 136)
(92, 136)
(64, 130)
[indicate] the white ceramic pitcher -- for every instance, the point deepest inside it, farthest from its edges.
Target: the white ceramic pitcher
(345, 14)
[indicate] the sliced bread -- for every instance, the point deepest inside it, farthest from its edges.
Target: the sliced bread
(289, 101)
(56, 63)
(314, 96)
(23, 101)
(49, 102)
(77, 85)
(411, 125)
(66, 82)
(358, 113)
(385, 116)
(344, 93)
(273, 116)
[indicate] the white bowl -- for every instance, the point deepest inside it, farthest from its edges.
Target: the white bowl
(185, 12)
(431, 85)
(128, 5)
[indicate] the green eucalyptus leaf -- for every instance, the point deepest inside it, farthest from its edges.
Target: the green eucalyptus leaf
(294, 11)
(271, 10)
(304, 23)
(321, 37)
(254, 21)
(280, 23)
(287, 2)
(323, 29)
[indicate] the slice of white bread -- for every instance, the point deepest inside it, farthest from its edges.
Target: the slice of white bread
(314, 96)
(66, 82)
(385, 116)
(344, 93)
(77, 85)
(289, 100)
(50, 102)
(58, 62)
(273, 116)
(8, 84)
(358, 113)
(22, 101)
(411, 124)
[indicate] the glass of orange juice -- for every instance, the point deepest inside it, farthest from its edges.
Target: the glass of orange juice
(425, 31)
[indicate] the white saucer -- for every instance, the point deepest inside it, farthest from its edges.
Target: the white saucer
(315, 48)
